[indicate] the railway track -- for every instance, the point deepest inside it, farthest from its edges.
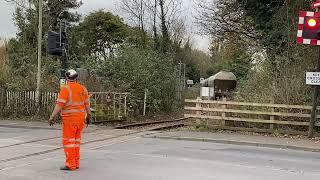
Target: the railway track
(36, 140)
(60, 148)
(154, 125)
(139, 128)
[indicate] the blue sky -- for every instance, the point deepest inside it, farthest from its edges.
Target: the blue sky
(8, 29)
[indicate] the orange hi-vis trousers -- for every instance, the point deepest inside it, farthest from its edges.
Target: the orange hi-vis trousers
(71, 142)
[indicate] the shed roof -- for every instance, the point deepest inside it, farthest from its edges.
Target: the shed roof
(223, 75)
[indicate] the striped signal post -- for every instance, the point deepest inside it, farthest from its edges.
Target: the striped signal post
(309, 33)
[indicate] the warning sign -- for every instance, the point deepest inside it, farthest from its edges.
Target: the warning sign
(313, 78)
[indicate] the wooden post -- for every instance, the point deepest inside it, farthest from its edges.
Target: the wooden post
(114, 105)
(198, 106)
(272, 117)
(223, 115)
(95, 106)
(15, 97)
(119, 104)
(1, 103)
(29, 102)
(125, 105)
(20, 103)
(145, 102)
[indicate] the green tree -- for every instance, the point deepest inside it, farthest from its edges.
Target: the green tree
(134, 70)
(100, 34)
(23, 48)
(233, 57)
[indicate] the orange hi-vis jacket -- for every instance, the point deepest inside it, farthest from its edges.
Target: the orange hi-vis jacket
(73, 98)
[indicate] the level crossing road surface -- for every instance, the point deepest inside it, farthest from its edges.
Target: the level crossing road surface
(36, 154)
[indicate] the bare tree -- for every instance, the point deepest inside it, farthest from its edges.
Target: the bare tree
(169, 13)
(224, 19)
(178, 32)
(154, 23)
(151, 15)
(136, 9)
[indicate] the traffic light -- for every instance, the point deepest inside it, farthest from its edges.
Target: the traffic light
(54, 43)
(309, 28)
(57, 43)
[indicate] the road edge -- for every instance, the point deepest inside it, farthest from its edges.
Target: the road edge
(243, 143)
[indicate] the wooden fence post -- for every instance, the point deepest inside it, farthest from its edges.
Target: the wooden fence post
(145, 101)
(125, 106)
(1, 103)
(198, 106)
(114, 105)
(15, 103)
(223, 114)
(272, 117)
(119, 107)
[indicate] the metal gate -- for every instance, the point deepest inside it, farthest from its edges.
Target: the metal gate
(109, 106)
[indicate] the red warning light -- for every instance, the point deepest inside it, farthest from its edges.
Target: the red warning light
(312, 23)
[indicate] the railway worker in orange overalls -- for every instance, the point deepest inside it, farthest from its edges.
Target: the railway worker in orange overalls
(74, 104)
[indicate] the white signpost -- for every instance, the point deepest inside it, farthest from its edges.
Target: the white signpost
(313, 78)
(190, 82)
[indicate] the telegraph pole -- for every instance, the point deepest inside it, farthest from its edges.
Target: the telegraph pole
(39, 50)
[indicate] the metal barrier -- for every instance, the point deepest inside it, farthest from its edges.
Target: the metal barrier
(109, 106)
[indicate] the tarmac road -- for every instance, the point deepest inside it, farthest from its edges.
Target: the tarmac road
(137, 158)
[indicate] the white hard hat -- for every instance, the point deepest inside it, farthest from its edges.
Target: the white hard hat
(72, 74)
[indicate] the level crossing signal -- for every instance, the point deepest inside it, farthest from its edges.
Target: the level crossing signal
(309, 28)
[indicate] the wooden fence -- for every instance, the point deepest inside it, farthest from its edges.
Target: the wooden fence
(107, 105)
(242, 114)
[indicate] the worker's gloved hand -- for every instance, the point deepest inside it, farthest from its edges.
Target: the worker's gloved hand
(51, 121)
(88, 119)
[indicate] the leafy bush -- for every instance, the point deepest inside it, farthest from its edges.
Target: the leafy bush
(133, 70)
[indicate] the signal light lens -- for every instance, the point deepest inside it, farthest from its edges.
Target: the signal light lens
(312, 23)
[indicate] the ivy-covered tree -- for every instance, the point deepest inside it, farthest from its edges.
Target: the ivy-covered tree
(100, 33)
(23, 48)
